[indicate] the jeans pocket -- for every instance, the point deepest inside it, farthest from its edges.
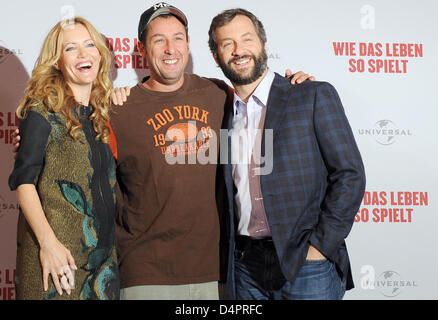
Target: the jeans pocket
(317, 279)
(316, 268)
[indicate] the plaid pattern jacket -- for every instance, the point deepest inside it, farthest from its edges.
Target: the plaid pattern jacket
(317, 183)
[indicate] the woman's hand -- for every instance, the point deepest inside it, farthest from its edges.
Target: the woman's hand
(55, 260)
(120, 95)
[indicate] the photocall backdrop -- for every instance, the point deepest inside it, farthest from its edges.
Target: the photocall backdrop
(380, 55)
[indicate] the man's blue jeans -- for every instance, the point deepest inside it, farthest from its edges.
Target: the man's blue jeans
(258, 277)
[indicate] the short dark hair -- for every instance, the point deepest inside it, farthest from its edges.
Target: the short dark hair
(224, 18)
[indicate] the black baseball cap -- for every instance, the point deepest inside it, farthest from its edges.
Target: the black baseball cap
(157, 10)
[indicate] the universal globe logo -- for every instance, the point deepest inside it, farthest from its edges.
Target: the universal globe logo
(385, 132)
(389, 283)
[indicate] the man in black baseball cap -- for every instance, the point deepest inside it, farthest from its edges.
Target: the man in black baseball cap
(167, 242)
(164, 43)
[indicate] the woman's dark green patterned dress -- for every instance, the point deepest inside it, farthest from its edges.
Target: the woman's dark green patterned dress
(75, 181)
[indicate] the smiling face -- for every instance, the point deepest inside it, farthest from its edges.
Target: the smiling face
(80, 59)
(167, 51)
(240, 53)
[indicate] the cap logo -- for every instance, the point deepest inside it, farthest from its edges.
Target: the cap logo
(160, 5)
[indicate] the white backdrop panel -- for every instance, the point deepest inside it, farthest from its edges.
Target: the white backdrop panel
(392, 112)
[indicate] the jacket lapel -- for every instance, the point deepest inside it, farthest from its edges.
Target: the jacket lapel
(277, 102)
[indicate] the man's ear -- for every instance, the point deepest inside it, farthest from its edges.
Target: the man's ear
(141, 49)
(188, 43)
(215, 58)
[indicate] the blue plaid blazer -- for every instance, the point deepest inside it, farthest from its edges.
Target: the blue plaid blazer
(317, 183)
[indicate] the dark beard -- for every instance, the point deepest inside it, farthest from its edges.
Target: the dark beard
(259, 67)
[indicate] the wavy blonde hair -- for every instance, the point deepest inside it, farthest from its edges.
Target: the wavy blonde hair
(47, 85)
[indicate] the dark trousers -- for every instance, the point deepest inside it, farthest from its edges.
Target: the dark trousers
(258, 275)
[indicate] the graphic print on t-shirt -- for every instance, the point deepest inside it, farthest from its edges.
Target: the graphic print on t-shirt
(181, 131)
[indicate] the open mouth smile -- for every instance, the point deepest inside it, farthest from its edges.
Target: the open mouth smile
(84, 66)
(170, 61)
(241, 62)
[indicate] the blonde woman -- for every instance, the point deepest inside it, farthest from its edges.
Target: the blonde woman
(64, 174)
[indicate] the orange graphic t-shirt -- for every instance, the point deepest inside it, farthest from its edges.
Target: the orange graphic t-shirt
(167, 148)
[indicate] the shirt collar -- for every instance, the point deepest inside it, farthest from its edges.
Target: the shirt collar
(261, 93)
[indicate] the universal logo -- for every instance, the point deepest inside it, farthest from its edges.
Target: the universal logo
(6, 52)
(385, 132)
(388, 283)
(7, 207)
(273, 55)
